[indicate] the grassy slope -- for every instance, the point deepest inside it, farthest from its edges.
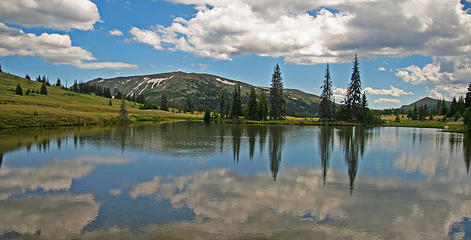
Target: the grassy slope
(63, 108)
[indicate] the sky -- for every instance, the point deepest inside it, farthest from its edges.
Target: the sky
(408, 49)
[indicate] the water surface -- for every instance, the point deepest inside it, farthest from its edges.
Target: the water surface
(189, 180)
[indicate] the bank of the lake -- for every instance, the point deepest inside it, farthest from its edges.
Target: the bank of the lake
(66, 108)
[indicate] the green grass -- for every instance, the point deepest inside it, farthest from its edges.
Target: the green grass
(66, 108)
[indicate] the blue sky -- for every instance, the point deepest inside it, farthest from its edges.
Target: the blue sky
(408, 49)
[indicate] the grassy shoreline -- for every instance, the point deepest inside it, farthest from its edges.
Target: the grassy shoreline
(65, 108)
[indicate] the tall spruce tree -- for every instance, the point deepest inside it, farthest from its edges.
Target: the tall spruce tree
(467, 99)
(277, 100)
(19, 90)
(43, 89)
(326, 107)
(352, 103)
(236, 103)
(252, 105)
(123, 112)
(222, 106)
(164, 103)
(262, 107)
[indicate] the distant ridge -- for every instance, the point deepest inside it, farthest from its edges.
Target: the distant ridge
(202, 89)
(431, 104)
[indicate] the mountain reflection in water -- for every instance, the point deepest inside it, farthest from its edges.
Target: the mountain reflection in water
(188, 180)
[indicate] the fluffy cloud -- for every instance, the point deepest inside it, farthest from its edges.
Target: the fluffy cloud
(313, 32)
(54, 48)
(449, 76)
(55, 216)
(245, 203)
(339, 93)
(115, 32)
(382, 69)
(386, 100)
(147, 37)
(56, 14)
(395, 92)
(56, 175)
(274, 28)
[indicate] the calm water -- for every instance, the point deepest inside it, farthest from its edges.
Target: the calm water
(191, 181)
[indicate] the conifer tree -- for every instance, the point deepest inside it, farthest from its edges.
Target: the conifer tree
(19, 90)
(43, 89)
(252, 106)
(262, 107)
(27, 77)
(326, 106)
(207, 115)
(222, 106)
(164, 103)
(277, 100)
(58, 82)
(123, 113)
(467, 99)
(352, 102)
(107, 93)
(236, 103)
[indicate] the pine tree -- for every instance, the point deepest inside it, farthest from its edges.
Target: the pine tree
(252, 105)
(58, 82)
(1, 68)
(236, 103)
(453, 108)
(277, 100)
(27, 92)
(164, 103)
(222, 106)
(19, 90)
(107, 93)
(262, 107)
(352, 102)
(123, 113)
(110, 103)
(467, 99)
(27, 77)
(207, 115)
(43, 89)
(326, 107)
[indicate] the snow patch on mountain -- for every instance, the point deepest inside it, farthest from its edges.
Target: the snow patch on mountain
(148, 82)
(224, 81)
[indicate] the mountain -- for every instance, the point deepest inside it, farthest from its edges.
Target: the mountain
(200, 90)
(431, 104)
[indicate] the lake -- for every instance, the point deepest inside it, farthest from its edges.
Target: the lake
(188, 180)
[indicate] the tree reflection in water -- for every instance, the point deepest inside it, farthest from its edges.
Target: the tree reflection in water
(236, 132)
(252, 134)
(326, 144)
(353, 141)
(467, 150)
(275, 147)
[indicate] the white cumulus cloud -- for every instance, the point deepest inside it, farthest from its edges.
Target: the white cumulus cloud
(56, 14)
(52, 47)
(386, 100)
(313, 32)
(393, 91)
(115, 32)
(382, 69)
